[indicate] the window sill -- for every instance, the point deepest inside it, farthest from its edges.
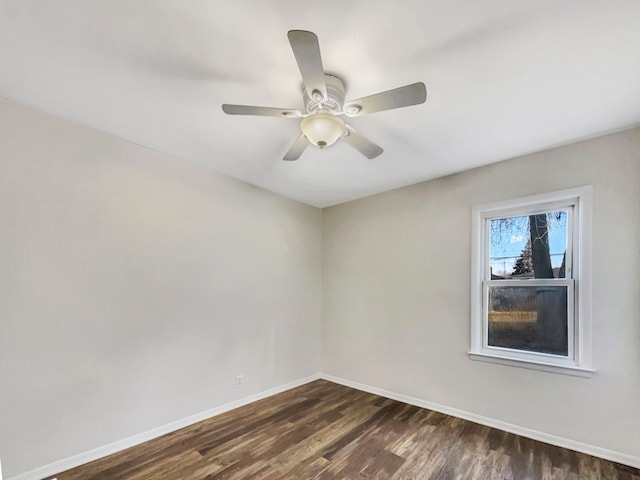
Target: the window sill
(533, 365)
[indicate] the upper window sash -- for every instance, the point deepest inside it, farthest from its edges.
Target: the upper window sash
(570, 205)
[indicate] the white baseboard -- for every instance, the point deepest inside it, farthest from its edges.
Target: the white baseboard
(96, 453)
(624, 458)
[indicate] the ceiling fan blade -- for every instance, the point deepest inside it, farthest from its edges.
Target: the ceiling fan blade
(261, 111)
(398, 97)
(297, 148)
(306, 49)
(361, 143)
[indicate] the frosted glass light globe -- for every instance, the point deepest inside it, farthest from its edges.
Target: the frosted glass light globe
(322, 128)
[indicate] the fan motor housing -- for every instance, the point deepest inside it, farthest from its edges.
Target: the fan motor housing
(335, 96)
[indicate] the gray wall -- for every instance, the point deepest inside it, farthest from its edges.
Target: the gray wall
(135, 286)
(396, 289)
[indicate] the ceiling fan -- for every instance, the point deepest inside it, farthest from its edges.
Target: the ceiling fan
(324, 100)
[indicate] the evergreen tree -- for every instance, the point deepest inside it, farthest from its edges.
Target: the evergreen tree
(524, 264)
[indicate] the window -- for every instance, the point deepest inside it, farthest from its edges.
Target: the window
(531, 282)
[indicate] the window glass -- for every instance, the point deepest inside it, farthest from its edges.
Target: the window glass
(528, 246)
(530, 318)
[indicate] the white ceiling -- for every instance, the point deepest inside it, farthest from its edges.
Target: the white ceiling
(504, 78)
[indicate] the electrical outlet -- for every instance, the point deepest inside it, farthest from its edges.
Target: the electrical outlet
(238, 381)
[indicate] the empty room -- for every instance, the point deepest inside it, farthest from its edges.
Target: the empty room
(333, 241)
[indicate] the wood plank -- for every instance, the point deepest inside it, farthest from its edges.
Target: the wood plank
(325, 431)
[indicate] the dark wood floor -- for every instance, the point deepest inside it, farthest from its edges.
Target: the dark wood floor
(326, 431)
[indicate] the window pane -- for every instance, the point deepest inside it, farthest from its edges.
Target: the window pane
(530, 318)
(529, 246)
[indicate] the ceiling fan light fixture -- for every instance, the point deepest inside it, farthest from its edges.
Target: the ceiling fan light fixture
(324, 100)
(322, 129)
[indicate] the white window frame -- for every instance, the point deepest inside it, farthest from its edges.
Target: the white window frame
(579, 202)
